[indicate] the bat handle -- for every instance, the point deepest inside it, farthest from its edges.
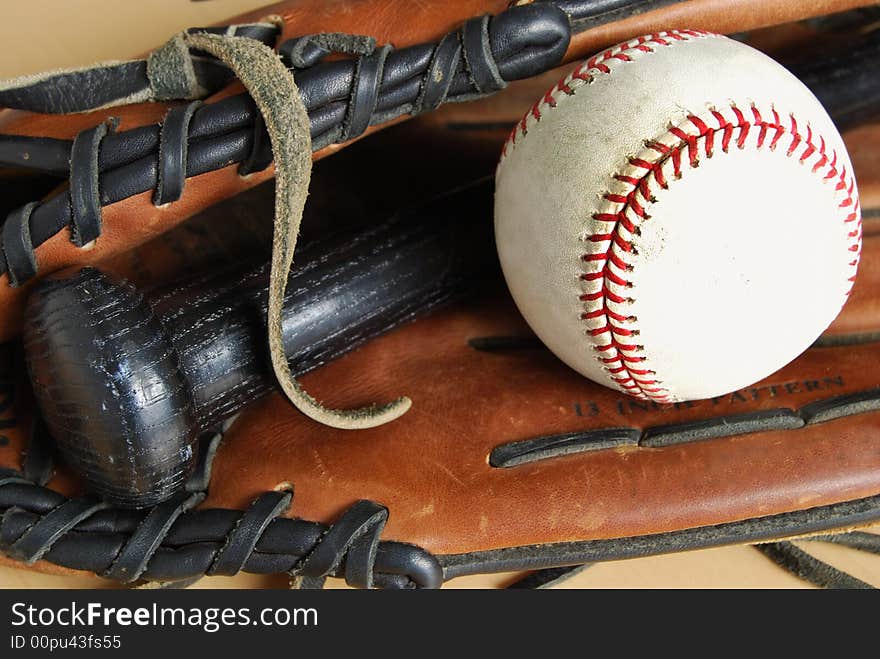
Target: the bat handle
(127, 381)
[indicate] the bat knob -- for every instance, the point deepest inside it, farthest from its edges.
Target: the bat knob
(107, 380)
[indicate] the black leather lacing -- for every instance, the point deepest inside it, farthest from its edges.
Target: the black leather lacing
(260, 154)
(172, 542)
(523, 42)
(134, 557)
(173, 144)
(43, 533)
(21, 262)
(343, 98)
(547, 578)
(356, 535)
(785, 554)
(586, 15)
(85, 197)
(817, 572)
(305, 52)
(240, 543)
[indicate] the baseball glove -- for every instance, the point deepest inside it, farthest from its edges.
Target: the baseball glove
(508, 461)
(549, 473)
(136, 170)
(127, 176)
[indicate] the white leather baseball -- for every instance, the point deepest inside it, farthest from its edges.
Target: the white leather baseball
(677, 218)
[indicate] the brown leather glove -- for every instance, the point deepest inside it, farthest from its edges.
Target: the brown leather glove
(511, 461)
(508, 462)
(433, 475)
(120, 200)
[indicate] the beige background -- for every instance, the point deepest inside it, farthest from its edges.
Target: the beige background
(38, 35)
(44, 34)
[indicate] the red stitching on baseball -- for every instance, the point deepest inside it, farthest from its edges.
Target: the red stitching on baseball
(597, 63)
(695, 144)
(689, 148)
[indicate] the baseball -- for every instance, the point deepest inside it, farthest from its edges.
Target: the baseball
(677, 218)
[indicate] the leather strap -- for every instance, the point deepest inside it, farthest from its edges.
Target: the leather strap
(260, 155)
(478, 53)
(365, 94)
(173, 142)
(444, 61)
(18, 251)
(250, 527)
(355, 534)
(278, 99)
(39, 538)
(810, 568)
(135, 555)
(85, 196)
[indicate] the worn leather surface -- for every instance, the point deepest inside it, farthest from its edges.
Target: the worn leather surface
(720, 16)
(239, 230)
(431, 467)
(398, 23)
(864, 147)
(459, 405)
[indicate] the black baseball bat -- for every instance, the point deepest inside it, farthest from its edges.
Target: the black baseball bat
(127, 381)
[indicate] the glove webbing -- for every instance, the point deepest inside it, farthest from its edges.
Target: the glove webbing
(171, 542)
(344, 98)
